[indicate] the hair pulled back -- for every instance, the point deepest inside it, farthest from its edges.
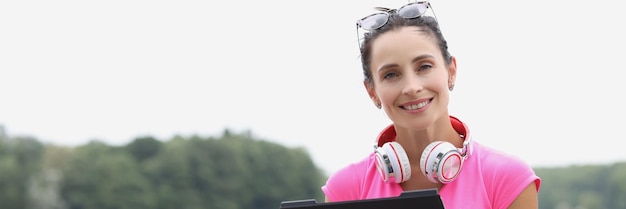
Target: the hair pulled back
(427, 24)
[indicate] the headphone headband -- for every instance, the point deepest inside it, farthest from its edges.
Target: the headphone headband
(389, 134)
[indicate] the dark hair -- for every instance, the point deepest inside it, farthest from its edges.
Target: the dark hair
(427, 24)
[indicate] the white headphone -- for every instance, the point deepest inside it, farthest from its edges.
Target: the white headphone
(440, 162)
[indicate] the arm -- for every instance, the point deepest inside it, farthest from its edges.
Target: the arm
(528, 199)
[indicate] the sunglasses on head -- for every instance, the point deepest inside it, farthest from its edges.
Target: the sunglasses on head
(408, 11)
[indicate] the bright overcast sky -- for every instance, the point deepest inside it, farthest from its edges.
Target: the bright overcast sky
(539, 79)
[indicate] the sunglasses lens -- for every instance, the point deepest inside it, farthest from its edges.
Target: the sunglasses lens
(374, 21)
(412, 10)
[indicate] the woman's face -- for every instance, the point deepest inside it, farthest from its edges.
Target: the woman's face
(410, 78)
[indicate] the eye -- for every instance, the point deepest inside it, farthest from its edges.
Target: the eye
(389, 75)
(424, 67)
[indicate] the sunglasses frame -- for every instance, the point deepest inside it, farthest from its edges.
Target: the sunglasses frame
(386, 12)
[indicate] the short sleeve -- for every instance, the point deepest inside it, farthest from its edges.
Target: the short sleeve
(343, 184)
(508, 177)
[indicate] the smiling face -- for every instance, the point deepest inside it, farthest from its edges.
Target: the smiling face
(410, 78)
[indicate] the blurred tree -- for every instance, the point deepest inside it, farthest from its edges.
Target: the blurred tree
(43, 190)
(98, 176)
(19, 161)
(28, 152)
(44, 186)
(617, 190)
(583, 186)
(11, 183)
(144, 147)
(591, 200)
(56, 157)
(234, 171)
(169, 173)
(3, 134)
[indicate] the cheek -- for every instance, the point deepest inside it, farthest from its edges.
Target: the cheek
(443, 85)
(387, 94)
(441, 81)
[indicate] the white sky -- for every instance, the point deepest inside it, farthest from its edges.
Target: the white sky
(539, 79)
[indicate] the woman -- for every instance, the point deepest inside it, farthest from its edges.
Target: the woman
(409, 73)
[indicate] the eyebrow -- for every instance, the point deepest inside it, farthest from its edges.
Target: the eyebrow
(415, 59)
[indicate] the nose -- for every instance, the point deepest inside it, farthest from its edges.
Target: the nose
(412, 84)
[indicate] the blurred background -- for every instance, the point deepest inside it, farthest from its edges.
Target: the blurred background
(150, 104)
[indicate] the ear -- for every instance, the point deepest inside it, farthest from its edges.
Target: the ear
(452, 72)
(370, 91)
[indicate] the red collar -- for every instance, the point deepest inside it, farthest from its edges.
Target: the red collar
(389, 133)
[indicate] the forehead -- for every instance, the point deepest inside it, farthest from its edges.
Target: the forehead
(408, 41)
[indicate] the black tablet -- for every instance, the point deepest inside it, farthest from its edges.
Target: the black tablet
(417, 199)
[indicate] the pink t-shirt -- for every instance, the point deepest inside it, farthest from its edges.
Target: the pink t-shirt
(489, 179)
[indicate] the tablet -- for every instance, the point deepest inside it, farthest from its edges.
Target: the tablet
(422, 199)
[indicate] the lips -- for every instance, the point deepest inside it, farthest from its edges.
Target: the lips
(416, 105)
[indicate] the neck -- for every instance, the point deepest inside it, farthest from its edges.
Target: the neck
(415, 141)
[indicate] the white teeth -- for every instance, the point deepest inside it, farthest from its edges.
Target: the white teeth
(416, 106)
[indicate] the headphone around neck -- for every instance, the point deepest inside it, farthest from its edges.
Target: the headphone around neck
(440, 161)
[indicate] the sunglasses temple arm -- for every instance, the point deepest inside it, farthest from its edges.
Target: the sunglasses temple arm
(358, 42)
(433, 10)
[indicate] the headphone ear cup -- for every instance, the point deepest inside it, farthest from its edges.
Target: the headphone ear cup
(382, 163)
(393, 163)
(441, 162)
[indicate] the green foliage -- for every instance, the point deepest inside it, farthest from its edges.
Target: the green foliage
(617, 186)
(234, 171)
(144, 148)
(99, 176)
(11, 191)
(583, 186)
(19, 159)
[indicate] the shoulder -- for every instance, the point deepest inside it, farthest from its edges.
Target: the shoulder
(505, 175)
(346, 183)
(496, 161)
